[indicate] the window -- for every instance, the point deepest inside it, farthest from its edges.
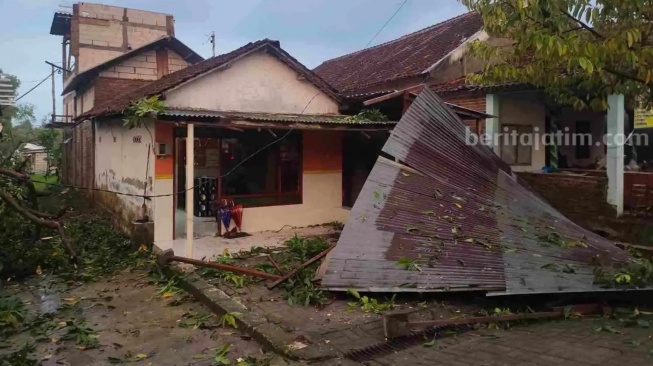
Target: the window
(516, 144)
(271, 177)
(582, 139)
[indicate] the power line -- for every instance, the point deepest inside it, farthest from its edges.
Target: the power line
(34, 87)
(386, 23)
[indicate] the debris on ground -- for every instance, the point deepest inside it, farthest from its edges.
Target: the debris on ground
(116, 320)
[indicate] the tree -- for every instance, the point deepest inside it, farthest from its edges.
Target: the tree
(19, 206)
(578, 51)
(50, 138)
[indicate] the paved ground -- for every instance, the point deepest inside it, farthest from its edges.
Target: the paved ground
(560, 343)
(207, 247)
(133, 324)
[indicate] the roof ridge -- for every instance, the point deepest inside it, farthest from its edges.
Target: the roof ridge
(402, 37)
(177, 78)
(180, 71)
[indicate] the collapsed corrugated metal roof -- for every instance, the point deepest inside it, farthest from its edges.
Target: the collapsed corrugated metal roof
(454, 217)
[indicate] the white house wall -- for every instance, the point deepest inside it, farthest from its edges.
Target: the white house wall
(525, 109)
(121, 165)
(256, 83)
(322, 203)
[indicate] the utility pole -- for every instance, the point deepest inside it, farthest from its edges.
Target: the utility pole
(212, 40)
(54, 101)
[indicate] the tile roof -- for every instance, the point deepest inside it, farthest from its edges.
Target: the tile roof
(461, 84)
(107, 88)
(461, 214)
(165, 41)
(120, 103)
(401, 58)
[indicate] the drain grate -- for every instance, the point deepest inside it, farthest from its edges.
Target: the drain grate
(401, 343)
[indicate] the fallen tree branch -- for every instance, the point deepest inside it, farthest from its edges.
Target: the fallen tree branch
(48, 216)
(302, 266)
(38, 218)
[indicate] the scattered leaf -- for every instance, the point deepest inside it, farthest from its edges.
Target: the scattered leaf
(430, 343)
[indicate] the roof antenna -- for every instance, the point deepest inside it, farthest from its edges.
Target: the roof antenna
(212, 40)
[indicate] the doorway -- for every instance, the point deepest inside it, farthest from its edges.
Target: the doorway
(206, 173)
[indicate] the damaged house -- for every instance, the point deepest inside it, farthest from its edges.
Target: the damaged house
(390, 75)
(253, 126)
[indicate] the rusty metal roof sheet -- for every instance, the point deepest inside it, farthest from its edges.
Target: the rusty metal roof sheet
(462, 215)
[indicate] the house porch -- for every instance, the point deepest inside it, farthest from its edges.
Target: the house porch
(283, 176)
(207, 247)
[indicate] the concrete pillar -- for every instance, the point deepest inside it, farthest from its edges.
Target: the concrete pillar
(615, 156)
(190, 180)
(492, 125)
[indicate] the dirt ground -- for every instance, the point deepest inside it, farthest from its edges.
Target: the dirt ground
(132, 322)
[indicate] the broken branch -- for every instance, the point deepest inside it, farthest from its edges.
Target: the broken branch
(37, 218)
(302, 266)
(169, 256)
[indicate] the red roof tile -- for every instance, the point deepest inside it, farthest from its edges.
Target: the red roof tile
(120, 103)
(107, 88)
(461, 84)
(404, 57)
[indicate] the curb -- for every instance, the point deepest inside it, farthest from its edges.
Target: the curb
(269, 335)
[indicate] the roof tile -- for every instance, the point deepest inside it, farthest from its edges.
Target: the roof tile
(404, 57)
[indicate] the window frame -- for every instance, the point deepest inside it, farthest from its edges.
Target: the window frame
(502, 145)
(278, 194)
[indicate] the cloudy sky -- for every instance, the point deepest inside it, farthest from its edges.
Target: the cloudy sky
(311, 30)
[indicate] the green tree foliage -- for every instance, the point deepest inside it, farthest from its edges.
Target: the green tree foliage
(578, 51)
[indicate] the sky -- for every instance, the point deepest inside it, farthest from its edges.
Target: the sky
(311, 30)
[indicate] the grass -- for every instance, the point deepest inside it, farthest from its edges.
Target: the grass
(40, 181)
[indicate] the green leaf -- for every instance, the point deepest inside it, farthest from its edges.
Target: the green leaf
(550, 266)
(430, 343)
(354, 293)
(412, 230)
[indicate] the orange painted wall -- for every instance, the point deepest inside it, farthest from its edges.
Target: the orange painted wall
(322, 151)
(164, 165)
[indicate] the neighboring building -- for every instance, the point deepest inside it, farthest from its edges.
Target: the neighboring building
(233, 105)
(36, 157)
(108, 51)
(391, 73)
(437, 56)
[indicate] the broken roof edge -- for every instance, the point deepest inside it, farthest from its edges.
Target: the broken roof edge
(414, 90)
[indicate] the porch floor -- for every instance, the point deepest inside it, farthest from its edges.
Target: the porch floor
(209, 246)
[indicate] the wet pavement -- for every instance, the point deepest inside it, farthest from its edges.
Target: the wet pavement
(133, 324)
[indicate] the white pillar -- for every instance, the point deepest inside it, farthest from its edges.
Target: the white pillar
(492, 125)
(190, 172)
(615, 156)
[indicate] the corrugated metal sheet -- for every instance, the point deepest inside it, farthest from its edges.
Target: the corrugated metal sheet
(272, 117)
(462, 215)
